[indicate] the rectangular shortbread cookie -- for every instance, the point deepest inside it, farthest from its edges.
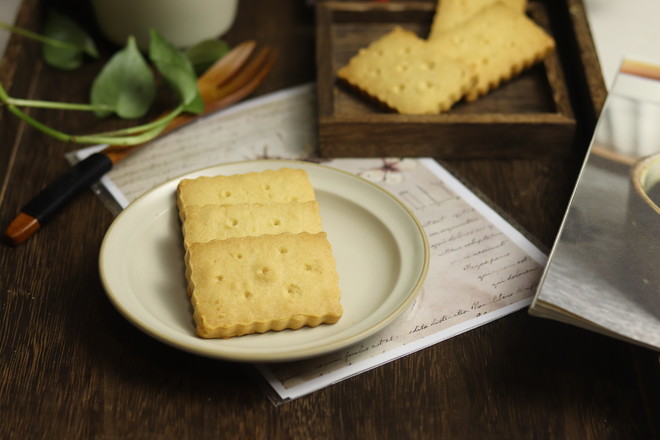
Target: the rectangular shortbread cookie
(403, 72)
(269, 186)
(451, 13)
(498, 43)
(249, 285)
(209, 222)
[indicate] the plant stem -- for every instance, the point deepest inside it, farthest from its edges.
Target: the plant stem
(36, 124)
(146, 132)
(35, 36)
(120, 141)
(56, 105)
(148, 126)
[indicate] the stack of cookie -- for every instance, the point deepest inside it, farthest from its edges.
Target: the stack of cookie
(473, 46)
(257, 258)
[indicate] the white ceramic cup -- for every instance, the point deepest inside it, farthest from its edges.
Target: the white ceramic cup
(182, 22)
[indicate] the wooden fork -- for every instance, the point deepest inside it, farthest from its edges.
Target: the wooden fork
(226, 82)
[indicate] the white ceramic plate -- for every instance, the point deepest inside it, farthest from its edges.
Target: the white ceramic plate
(380, 248)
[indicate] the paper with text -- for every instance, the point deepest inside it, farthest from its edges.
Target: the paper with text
(480, 269)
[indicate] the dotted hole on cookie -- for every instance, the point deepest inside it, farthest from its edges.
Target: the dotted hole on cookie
(312, 267)
(220, 278)
(375, 72)
(247, 294)
(276, 222)
(293, 289)
(399, 88)
(232, 223)
(283, 251)
(225, 194)
(402, 67)
(428, 65)
(426, 85)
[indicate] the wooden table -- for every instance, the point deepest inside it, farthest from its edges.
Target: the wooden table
(72, 368)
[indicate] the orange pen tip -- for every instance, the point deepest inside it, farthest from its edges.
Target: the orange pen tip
(21, 228)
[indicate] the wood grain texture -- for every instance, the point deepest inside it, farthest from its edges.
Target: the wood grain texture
(71, 367)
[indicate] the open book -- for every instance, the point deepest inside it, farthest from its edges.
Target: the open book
(604, 270)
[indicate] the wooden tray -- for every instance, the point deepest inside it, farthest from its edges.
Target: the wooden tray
(544, 112)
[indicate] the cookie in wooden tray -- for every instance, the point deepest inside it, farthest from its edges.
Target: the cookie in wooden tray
(451, 13)
(498, 42)
(406, 74)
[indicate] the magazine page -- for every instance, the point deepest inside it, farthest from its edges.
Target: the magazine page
(604, 270)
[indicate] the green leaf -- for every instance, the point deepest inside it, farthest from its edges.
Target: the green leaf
(177, 70)
(196, 106)
(77, 42)
(204, 54)
(126, 83)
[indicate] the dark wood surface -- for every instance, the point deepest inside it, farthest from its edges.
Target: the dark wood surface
(72, 368)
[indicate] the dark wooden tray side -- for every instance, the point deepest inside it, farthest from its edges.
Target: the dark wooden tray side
(531, 116)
